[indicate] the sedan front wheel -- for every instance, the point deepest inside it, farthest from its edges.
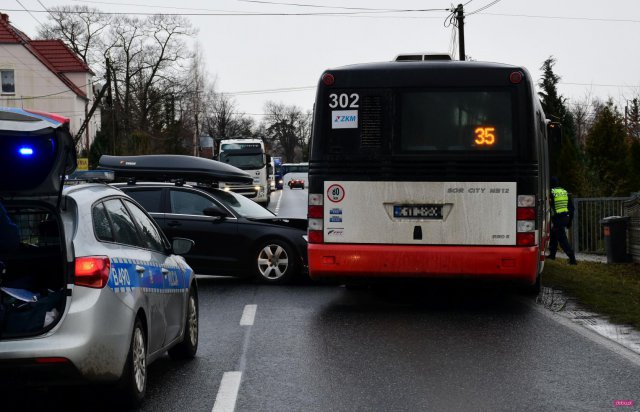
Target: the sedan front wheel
(275, 262)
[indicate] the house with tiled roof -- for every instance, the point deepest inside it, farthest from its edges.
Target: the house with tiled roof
(48, 76)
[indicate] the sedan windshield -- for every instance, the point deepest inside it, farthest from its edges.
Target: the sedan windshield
(242, 205)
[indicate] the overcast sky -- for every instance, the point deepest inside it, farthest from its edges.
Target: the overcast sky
(596, 43)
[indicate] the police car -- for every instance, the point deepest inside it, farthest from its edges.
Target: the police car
(92, 291)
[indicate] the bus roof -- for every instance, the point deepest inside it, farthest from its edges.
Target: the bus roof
(425, 65)
(412, 73)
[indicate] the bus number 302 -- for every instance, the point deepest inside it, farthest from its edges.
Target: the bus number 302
(344, 100)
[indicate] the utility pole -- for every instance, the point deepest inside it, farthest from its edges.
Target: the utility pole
(84, 125)
(111, 108)
(460, 17)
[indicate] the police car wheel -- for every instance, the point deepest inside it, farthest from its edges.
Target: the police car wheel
(133, 383)
(275, 262)
(189, 346)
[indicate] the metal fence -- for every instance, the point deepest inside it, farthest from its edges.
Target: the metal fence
(587, 234)
(632, 209)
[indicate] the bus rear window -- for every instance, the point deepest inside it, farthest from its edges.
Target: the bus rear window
(455, 121)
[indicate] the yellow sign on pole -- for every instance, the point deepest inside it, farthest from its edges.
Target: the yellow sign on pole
(83, 163)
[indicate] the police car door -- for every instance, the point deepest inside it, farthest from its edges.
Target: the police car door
(135, 273)
(174, 291)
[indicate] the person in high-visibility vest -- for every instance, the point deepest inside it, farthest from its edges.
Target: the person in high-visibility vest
(561, 217)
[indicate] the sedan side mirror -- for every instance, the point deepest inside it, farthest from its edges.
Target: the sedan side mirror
(181, 246)
(215, 212)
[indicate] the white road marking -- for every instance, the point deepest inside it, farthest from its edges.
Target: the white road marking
(587, 333)
(248, 315)
(228, 392)
(279, 200)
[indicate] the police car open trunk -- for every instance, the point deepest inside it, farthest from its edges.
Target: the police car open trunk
(34, 274)
(36, 151)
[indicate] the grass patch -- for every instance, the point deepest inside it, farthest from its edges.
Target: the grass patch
(608, 289)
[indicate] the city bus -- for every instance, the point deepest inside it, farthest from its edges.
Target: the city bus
(428, 169)
(248, 155)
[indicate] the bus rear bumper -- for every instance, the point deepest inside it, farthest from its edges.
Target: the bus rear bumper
(334, 262)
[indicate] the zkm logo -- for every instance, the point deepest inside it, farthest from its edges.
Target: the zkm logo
(345, 119)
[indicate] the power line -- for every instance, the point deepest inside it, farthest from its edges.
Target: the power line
(563, 17)
(599, 84)
(484, 7)
(237, 14)
(30, 14)
(309, 5)
(268, 91)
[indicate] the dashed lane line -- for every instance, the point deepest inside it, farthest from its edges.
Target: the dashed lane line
(230, 384)
(228, 392)
(278, 203)
(248, 315)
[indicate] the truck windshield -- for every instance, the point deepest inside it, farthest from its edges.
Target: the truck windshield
(242, 161)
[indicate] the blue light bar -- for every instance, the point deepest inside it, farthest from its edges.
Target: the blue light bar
(25, 151)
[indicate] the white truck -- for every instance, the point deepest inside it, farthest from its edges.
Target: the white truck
(248, 155)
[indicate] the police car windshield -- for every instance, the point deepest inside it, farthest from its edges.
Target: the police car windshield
(242, 205)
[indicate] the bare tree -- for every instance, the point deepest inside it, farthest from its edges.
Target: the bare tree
(223, 121)
(287, 127)
(82, 29)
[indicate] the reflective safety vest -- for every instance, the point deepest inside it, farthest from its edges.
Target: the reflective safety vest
(560, 200)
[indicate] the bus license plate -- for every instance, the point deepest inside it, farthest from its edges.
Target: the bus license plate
(418, 211)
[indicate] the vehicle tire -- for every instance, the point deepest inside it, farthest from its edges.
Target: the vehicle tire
(189, 346)
(133, 383)
(275, 262)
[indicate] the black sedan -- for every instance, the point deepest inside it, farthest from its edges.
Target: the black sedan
(233, 235)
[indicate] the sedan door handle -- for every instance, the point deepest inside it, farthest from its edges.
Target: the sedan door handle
(165, 271)
(140, 269)
(173, 223)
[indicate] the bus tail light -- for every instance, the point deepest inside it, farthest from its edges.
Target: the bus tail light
(92, 271)
(316, 236)
(526, 239)
(526, 220)
(526, 213)
(316, 216)
(315, 212)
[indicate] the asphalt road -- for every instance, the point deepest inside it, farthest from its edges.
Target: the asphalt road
(310, 347)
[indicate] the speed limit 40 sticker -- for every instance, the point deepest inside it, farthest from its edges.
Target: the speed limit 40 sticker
(335, 193)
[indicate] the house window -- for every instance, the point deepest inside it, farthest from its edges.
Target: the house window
(8, 83)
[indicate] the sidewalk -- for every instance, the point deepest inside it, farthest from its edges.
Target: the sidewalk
(583, 257)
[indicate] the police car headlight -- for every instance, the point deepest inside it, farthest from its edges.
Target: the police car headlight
(257, 188)
(227, 189)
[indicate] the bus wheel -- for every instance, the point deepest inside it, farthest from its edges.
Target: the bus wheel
(275, 262)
